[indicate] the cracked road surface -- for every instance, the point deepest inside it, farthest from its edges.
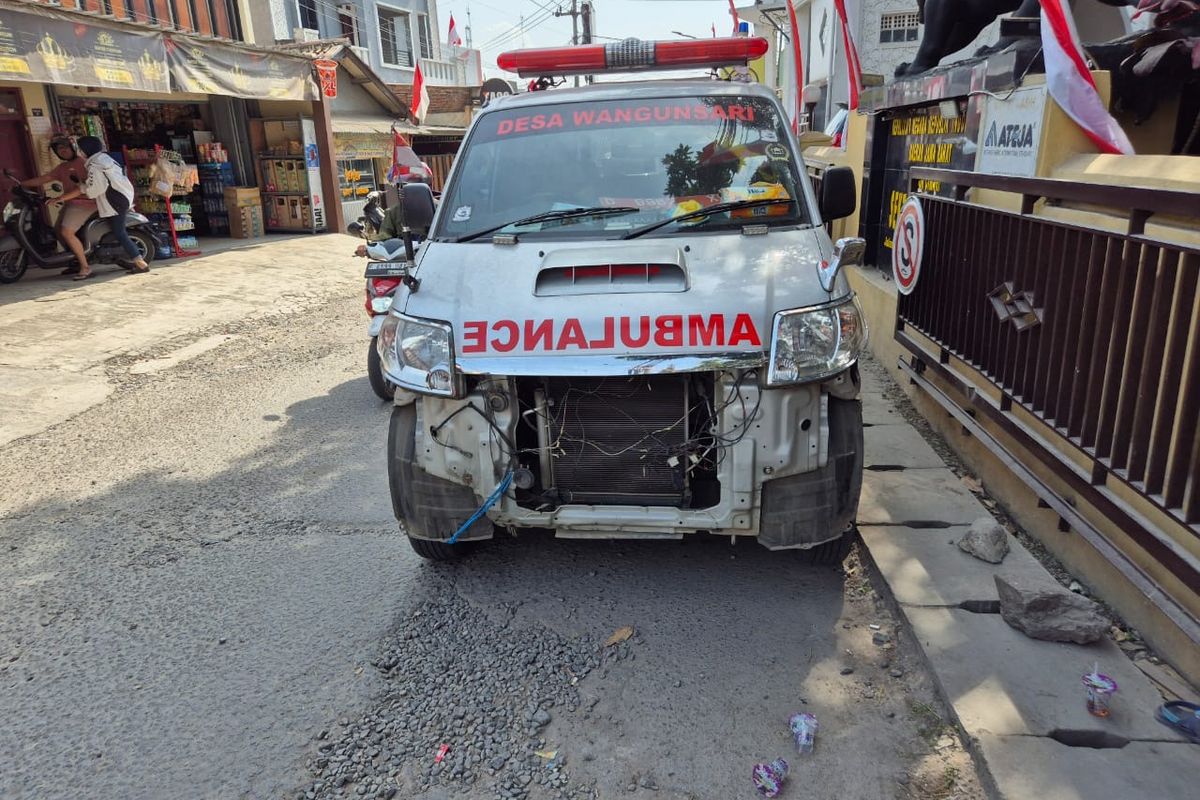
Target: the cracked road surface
(205, 596)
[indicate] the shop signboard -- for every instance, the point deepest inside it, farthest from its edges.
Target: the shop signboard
(941, 135)
(208, 68)
(46, 47)
(1012, 133)
(312, 165)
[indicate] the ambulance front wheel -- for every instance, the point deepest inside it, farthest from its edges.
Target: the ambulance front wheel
(429, 509)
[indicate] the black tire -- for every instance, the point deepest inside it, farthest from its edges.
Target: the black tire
(832, 553)
(430, 509)
(147, 248)
(802, 510)
(436, 551)
(13, 264)
(380, 385)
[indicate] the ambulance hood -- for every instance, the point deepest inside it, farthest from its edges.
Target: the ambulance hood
(603, 307)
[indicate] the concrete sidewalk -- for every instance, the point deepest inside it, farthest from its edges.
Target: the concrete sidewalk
(56, 336)
(1019, 701)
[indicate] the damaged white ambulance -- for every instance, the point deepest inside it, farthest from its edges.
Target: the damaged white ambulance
(627, 319)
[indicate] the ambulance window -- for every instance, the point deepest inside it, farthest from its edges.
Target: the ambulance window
(662, 156)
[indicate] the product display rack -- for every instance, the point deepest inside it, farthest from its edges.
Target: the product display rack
(286, 197)
(214, 177)
(175, 213)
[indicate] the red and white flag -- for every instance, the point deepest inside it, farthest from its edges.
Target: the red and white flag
(420, 95)
(453, 38)
(737, 22)
(852, 63)
(1070, 81)
(798, 64)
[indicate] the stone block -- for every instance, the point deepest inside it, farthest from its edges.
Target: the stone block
(924, 567)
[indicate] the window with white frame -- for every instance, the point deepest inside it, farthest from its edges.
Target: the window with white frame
(308, 14)
(348, 22)
(424, 38)
(899, 27)
(395, 37)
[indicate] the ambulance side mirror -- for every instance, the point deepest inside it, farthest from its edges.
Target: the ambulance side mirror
(839, 193)
(417, 199)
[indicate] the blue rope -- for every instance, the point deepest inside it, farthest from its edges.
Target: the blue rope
(491, 501)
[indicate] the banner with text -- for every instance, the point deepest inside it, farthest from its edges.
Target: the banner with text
(209, 68)
(47, 47)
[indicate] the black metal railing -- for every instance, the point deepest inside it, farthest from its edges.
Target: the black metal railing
(1095, 333)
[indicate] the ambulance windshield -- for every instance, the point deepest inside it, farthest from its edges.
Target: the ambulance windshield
(655, 158)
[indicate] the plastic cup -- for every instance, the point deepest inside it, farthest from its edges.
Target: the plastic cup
(1100, 689)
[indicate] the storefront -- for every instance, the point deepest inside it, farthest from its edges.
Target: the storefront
(363, 113)
(164, 104)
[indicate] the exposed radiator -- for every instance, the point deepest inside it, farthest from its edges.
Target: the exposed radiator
(612, 439)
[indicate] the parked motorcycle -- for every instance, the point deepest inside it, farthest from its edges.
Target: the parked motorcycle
(371, 220)
(29, 240)
(385, 274)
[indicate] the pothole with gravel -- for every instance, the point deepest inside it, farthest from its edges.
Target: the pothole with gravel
(464, 704)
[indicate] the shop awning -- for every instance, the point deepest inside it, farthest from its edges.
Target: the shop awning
(350, 123)
(45, 45)
(210, 68)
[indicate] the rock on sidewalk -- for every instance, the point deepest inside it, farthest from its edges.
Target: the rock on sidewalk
(986, 540)
(1045, 611)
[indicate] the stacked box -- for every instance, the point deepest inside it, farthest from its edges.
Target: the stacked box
(241, 197)
(246, 222)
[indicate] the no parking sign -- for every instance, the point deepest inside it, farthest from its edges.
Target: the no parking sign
(908, 244)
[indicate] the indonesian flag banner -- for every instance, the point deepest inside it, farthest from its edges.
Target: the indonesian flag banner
(1070, 82)
(736, 21)
(452, 37)
(398, 167)
(798, 64)
(420, 96)
(855, 68)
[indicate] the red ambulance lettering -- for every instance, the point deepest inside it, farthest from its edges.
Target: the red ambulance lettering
(608, 339)
(572, 335)
(514, 333)
(643, 338)
(744, 332)
(632, 333)
(669, 332)
(474, 337)
(701, 334)
(542, 336)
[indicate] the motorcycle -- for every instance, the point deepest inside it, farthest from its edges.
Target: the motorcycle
(389, 269)
(371, 220)
(30, 239)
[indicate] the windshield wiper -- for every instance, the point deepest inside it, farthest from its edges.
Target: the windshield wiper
(732, 205)
(547, 216)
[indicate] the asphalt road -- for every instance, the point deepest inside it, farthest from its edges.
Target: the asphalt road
(204, 595)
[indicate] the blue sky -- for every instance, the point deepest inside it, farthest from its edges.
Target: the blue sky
(496, 23)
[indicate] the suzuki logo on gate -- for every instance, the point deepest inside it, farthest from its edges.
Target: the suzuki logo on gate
(633, 333)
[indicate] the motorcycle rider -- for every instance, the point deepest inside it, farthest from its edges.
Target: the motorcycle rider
(71, 172)
(393, 219)
(107, 184)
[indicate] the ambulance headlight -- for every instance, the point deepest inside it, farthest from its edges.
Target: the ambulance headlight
(418, 355)
(812, 343)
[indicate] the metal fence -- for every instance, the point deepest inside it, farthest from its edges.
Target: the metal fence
(1094, 333)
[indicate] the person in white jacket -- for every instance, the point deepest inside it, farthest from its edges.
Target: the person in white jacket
(107, 185)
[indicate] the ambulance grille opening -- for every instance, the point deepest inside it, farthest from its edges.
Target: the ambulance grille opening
(638, 440)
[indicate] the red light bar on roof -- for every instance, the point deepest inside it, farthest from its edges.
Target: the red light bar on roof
(632, 55)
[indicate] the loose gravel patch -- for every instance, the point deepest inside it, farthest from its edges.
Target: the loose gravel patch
(483, 689)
